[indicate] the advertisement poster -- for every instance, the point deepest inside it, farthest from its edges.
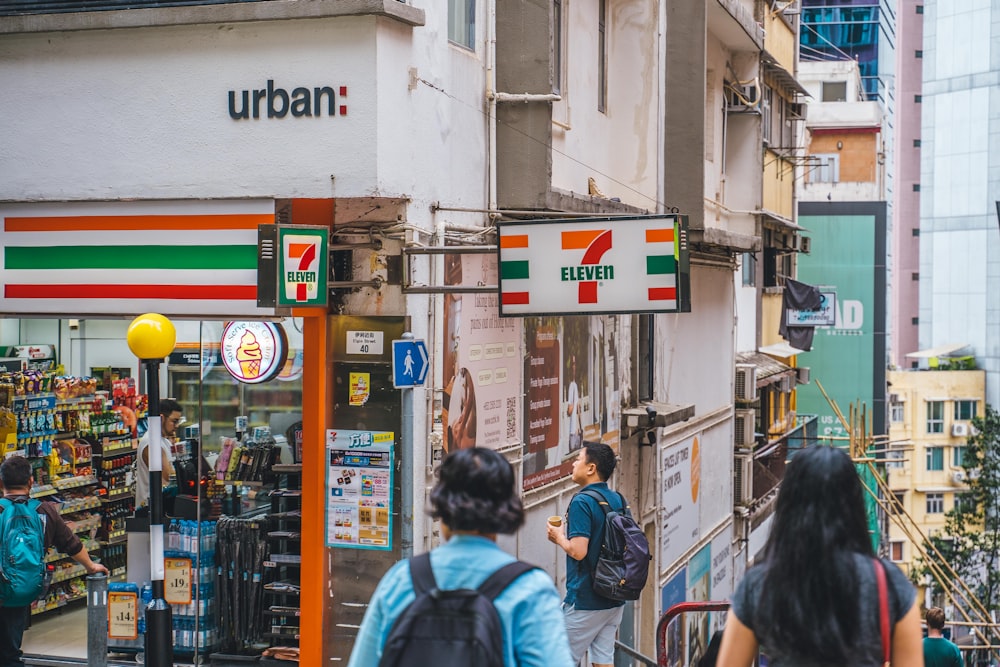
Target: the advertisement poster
(848, 358)
(722, 577)
(572, 393)
(673, 593)
(359, 489)
(482, 361)
(680, 472)
(361, 388)
(698, 589)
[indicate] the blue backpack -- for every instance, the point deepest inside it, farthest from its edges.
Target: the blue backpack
(22, 553)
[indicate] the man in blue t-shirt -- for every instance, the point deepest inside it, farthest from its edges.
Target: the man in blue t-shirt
(591, 620)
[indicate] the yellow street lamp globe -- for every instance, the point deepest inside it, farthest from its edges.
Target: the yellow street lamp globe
(151, 336)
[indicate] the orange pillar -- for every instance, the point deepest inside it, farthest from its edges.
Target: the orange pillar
(314, 582)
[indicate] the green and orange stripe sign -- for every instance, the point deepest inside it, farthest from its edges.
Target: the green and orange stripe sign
(120, 258)
(593, 266)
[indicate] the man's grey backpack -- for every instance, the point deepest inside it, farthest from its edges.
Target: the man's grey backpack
(623, 564)
(459, 627)
(22, 553)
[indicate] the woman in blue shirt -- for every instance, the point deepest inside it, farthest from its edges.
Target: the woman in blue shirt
(475, 500)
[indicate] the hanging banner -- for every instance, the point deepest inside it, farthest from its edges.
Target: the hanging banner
(359, 480)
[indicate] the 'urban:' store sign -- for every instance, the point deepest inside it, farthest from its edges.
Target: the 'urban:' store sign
(278, 102)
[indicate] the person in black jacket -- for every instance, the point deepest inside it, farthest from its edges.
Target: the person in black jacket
(15, 475)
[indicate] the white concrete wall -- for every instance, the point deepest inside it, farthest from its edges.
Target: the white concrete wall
(616, 148)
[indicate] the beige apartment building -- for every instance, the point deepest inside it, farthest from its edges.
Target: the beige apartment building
(930, 414)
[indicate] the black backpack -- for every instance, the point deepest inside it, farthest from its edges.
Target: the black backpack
(623, 563)
(459, 627)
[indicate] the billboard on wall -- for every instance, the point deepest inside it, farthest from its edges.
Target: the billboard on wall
(680, 497)
(482, 361)
(594, 266)
(849, 358)
(571, 394)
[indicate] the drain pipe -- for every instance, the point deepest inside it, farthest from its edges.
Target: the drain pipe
(491, 59)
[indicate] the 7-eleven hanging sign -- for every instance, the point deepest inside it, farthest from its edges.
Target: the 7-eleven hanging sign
(594, 266)
(302, 266)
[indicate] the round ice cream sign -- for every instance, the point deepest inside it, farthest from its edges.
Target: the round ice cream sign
(254, 352)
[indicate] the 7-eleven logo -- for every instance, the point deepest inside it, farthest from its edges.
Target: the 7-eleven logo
(594, 243)
(300, 255)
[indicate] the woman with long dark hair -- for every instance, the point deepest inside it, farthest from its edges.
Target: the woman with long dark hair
(814, 600)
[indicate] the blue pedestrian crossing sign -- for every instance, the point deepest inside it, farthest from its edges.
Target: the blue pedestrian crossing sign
(409, 363)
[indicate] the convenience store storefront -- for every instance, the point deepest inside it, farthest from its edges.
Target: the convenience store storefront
(126, 258)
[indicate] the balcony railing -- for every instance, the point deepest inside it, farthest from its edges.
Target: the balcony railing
(26, 7)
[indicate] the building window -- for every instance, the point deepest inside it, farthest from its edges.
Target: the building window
(935, 458)
(825, 168)
(958, 457)
(896, 503)
(896, 551)
(915, 321)
(894, 459)
(916, 143)
(915, 231)
(916, 187)
(462, 23)
(965, 502)
(935, 416)
(914, 276)
(602, 56)
(766, 115)
(834, 91)
(965, 410)
(917, 99)
(896, 413)
(935, 503)
(918, 53)
(920, 9)
(749, 269)
(557, 42)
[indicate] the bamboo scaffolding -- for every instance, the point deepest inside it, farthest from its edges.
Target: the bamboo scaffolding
(861, 440)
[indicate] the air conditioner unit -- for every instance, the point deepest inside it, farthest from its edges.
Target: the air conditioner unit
(805, 244)
(743, 428)
(787, 384)
(746, 382)
(803, 372)
(960, 430)
(958, 477)
(743, 481)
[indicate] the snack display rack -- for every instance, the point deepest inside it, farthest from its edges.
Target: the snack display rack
(71, 430)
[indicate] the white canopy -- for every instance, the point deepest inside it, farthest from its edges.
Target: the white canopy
(939, 351)
(782, 349)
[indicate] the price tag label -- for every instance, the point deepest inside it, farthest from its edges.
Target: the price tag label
(123, 615)
(177, 580)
